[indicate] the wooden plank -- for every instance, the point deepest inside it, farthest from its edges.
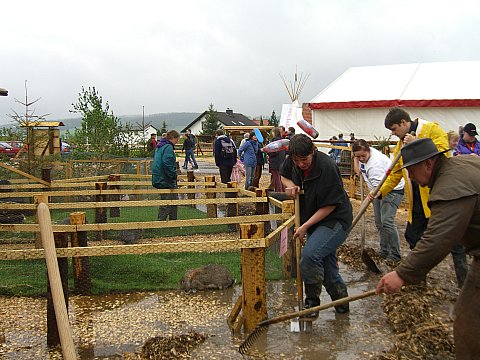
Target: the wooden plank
(24, 174)
(166, 247)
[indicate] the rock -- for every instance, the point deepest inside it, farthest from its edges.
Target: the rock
(209, 277)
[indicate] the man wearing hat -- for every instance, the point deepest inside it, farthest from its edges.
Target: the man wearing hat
(468, 144)
(455, 219)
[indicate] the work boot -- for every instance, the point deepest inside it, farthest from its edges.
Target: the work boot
(312, 299)
(339, 292)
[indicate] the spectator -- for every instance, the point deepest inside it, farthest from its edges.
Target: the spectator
(225, 155)
(290, 133)
(189, 152)
(275, 161)
(238, 172)
(248, 154)
(468, 144)
(246, 136)
(164, 173)
(453, 138)
(152, 144)
(259, 166)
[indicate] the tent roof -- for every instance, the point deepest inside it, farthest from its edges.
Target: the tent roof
(441, 84)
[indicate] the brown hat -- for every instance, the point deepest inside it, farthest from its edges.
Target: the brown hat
(419, 150)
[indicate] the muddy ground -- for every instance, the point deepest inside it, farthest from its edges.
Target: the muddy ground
(413, 325)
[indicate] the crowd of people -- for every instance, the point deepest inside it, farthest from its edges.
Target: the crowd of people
(433, 170)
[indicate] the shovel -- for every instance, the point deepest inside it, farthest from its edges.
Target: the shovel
(367, 260)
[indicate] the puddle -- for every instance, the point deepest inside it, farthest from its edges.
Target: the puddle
(108, 326)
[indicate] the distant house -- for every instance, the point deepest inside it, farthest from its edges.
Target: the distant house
(135, 135)
(227, 118)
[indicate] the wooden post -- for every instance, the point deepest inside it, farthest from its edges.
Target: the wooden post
(65, 332)
(254, 307)
(262, 208)
(288, 257)
(82, 277)
(114, 211)
(191, 178)
(232, 209)
(37, 199)
(53, 337)
(211, 208)
(100, 213)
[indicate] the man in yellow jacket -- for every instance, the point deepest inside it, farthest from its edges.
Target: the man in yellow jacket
(398, 121)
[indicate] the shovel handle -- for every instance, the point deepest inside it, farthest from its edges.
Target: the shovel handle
(365, 204)
(298, 253)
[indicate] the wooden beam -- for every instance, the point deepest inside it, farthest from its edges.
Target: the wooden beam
(24, 174)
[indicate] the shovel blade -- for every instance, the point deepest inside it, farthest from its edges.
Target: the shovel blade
(368, 261)
(294, 325)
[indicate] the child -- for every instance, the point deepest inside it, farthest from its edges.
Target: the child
(238, 171)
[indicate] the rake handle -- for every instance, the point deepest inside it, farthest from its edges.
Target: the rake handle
(296, 314)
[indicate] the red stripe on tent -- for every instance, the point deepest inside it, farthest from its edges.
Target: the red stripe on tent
(392, 103)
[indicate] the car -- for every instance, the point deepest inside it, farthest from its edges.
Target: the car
(16, 145)
(6, 149)
(66, 148)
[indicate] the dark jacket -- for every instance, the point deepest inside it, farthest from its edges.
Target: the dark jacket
(322, 187)
(276, 159)
(217, 152)
(187, 144)
(164, 171)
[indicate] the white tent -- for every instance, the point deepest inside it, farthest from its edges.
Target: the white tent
(357, 101)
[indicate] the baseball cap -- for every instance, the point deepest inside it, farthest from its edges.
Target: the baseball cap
(470, 129)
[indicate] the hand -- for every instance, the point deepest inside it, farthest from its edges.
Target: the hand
(390, 283)
(409, 138)
(301, 232)
(370, 196)
(292, 191)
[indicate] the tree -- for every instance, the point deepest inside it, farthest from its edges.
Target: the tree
(273, 121)
(261, 121)
(211, 124)
(101, 131)
(164, 128)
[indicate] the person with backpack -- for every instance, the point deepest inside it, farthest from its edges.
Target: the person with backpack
(248, 152)
(225, 154)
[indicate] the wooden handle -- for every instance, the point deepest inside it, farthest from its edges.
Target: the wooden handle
(365, 204)
(65, 332)
(296, 314)
(298, 253)
(362, 197)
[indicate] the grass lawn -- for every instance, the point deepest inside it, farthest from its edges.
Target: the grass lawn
(125, 273)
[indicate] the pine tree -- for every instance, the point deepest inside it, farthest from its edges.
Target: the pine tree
(101, 130)
(261, 121)
(273, 121)
(211, 123)
(164, 128)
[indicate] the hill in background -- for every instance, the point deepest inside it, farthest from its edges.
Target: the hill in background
(175, 121)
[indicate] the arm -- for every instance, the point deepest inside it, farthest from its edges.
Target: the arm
(445, 229)
(395, 176)
(356, 166)
(170, 163)
(318, 216)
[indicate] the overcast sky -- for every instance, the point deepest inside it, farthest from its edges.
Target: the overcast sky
(180, 56)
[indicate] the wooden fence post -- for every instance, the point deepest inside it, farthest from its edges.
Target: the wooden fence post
(114, 211)
(100, 213)
(262, 208)
(191, 178)
(232, 209)
(211, 208)
(254, 307)
(53, 337)
(288, 265)
(82, 278)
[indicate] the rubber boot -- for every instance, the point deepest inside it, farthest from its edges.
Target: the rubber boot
(339, 292)
(312, 299)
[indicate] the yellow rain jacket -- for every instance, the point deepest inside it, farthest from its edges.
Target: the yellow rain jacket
(424, 129)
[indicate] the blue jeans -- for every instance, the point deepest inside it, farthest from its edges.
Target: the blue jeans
(385, 211)
(249, 173)
(190, 157)
(318, 264)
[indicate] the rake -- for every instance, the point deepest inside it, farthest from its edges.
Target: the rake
(263, 325)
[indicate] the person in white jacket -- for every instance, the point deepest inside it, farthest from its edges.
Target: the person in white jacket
(372, 165)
